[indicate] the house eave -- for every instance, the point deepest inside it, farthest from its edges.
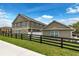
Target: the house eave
(60, 29)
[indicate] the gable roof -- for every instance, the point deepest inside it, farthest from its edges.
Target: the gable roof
(63, 27)
(27, 18)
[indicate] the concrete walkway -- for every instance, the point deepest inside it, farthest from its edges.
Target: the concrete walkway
(7, 49)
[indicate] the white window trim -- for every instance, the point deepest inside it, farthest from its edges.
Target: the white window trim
(71, 34)
(55, 33)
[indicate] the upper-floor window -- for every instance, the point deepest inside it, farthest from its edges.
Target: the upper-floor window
(36, 24)
(33, 24)
(14, 25)
(40, 25)
(18, 24)
(23, 24)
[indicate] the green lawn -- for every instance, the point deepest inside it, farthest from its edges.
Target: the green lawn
(40, 47)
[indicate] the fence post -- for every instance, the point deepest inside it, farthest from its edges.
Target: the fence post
(30, 36)
(61, 42)
(11, 35)
(40, 38)
(21, 36)
(3, 33)
(8, 34)
(16, 35)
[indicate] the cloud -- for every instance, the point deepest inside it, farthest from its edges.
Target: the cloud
(4, 19)
(69, 21)
(48, 19)
(45, 18)
(73, 9)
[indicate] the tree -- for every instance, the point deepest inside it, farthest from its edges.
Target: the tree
(76, 26)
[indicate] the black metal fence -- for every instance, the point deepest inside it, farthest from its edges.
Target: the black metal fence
(69, 43)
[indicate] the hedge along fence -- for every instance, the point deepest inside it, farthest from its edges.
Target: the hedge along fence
(69, 43)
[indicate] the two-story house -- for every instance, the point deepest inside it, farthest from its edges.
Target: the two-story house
(25, 24)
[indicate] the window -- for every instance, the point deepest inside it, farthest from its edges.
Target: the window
(15, 25)
(34, 30)
(18, 31)
(34, 24)
(54, 33)
(23, 24)
(19, 24)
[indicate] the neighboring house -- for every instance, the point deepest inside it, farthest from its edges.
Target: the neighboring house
(24, 24)
(5, 29)
(57, 29)
(75, 35)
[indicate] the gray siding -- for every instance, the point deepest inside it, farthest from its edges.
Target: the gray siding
(67, 34)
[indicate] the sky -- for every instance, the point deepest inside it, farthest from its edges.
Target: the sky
(66, 13)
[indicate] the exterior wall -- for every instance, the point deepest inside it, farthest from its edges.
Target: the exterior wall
(24, 29)
(47, 33)
(66, 34)
(53, 29)
(20, 25)
(29, 24)
(36, 33)
(17, 25)
(35, 25)
(19, 30)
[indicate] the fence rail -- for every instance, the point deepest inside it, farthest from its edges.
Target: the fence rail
(69, 43)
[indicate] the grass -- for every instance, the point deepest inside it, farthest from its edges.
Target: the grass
(40, 47)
